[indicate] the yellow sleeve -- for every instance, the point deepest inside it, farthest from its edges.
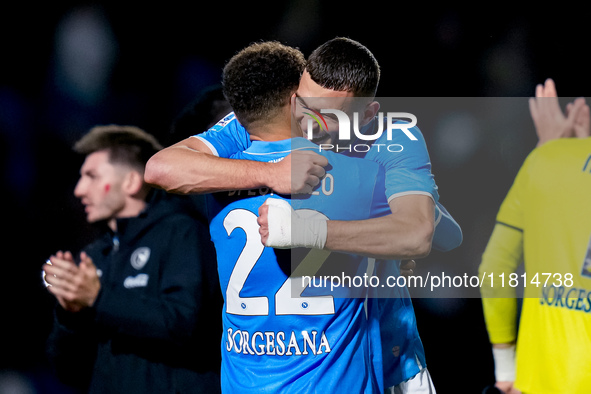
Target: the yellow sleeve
(503, 254)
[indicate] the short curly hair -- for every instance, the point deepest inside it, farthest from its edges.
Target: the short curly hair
(260, 79)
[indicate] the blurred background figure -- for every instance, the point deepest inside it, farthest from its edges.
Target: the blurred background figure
(138, 310)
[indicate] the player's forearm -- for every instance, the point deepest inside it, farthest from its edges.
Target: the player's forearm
(502, 255)
(183, 170)
(389, 237)
(500, 317)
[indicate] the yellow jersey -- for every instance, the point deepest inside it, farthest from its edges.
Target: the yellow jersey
(546, 218)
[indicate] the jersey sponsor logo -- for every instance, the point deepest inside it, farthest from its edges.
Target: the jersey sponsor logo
(140, 257)
(140, 280)
(276, 343)
(567, 297)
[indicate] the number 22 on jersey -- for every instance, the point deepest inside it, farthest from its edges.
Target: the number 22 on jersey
(288, 298)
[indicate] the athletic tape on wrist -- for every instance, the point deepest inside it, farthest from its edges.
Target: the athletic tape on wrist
(504, 363)
(288, 230)
(309, 233)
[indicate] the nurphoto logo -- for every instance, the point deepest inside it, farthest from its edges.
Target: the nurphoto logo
(390, 123)
(345, 124)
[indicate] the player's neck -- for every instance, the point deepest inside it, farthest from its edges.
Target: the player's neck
(276, 129)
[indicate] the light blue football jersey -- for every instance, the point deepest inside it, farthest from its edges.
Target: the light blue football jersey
(280, 333)
(408, 171)
(227, 137)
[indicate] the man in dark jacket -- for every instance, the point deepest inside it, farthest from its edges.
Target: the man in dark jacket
(138, 311)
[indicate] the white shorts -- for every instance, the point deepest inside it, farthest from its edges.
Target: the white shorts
(421, 383)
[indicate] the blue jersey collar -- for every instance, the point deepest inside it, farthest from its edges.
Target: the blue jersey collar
(282, 146)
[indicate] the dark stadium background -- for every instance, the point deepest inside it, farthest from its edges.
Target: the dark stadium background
(141, 65)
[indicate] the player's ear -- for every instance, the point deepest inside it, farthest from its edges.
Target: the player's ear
(369, 112)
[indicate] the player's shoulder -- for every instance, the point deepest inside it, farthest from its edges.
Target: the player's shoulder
(227, 121)
(564, 144)
(401, 129)
(226, 137)
(561, 149)
(399, 141)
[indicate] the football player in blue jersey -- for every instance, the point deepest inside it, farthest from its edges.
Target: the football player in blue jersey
(199, 165)
(281, 335)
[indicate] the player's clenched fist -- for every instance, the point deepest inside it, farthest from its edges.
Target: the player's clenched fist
(281, 219)
(299, 173)
(281, 227)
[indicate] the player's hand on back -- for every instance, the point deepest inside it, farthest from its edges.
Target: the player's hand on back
(299, 173)
(407, 267)
(283, 228)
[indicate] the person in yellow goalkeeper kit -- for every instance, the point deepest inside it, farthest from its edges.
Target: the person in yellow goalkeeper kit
(544, 221)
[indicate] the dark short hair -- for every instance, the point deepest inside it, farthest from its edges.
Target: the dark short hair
(260, 79)
(343, 64)
(128, 145)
